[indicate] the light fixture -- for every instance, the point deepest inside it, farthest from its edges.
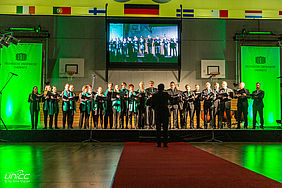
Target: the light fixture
(4, 42)
(13, 40)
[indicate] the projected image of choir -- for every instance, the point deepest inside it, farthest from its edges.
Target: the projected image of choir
(138, 49)
(129, 107)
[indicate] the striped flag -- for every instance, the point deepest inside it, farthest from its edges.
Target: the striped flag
(97, 11)
(141, 9)
(25, 9)
(280, 14)
(186, 13)
(219, 13)
(62, 10)
(253, 14)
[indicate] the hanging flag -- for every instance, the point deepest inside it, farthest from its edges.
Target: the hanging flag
(62, 10)
(280, 14)
(141, 9)
(25, 9)
(253, 14)
(186, 13)
(219, 13)
(97, 11)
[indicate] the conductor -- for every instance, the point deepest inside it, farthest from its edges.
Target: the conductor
(160, 105)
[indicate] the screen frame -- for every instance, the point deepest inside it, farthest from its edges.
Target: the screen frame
(147, 66)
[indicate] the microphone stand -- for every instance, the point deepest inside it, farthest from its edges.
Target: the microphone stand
(213, 139)
(91, 139)
(1, 93)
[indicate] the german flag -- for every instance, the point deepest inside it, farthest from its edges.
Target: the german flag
(62, 10)
(141, 9)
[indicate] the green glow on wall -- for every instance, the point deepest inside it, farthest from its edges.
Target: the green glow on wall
(24, 59)
(262, 64)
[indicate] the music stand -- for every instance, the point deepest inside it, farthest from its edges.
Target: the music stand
(213, 139)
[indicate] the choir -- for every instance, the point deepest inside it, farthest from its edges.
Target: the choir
(127, 107)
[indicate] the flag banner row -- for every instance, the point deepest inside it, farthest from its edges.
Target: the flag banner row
(142, 10)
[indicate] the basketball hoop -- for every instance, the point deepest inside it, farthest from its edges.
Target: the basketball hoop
(70, 73)
(214, 74)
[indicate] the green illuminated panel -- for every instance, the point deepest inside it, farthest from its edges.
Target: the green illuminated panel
(262, 64)
(24, 59)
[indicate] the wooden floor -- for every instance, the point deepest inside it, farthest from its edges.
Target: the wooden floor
(94, 164)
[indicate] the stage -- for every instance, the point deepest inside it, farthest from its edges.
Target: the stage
(141, 135)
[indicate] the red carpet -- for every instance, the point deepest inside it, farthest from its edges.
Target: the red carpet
(182, 165)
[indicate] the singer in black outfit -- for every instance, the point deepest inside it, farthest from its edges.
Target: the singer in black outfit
(46, 100)
(123, 106)
(226, 94)
(174, 103)
(160, 105)
(188, 106)
(54, 108)
(141, 108)
(242, 105)
(208, 97)
(197, 104)
(109, 106)
(150, 113)
(258, 105)
(34, 99)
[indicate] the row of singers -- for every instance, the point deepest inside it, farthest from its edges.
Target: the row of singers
(128, 104)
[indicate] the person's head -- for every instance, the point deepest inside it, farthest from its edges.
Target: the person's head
(160, 87)
(224, 84)
(71, 88)
(35, 90)
(54, 89)
(110, 86)
(187, 87)
(100, 90)
(216, 86)
(242, 85)
(123, 85)
(141, 85)
(258, 86)
(177, 86)
(116, 88)
(172, 85)
(131, 87)
(67, 86)
(84, 89)
(47, 88)
(149, 36)
(197, 87)
(89, 87)
(208, 85)
(151, 83)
